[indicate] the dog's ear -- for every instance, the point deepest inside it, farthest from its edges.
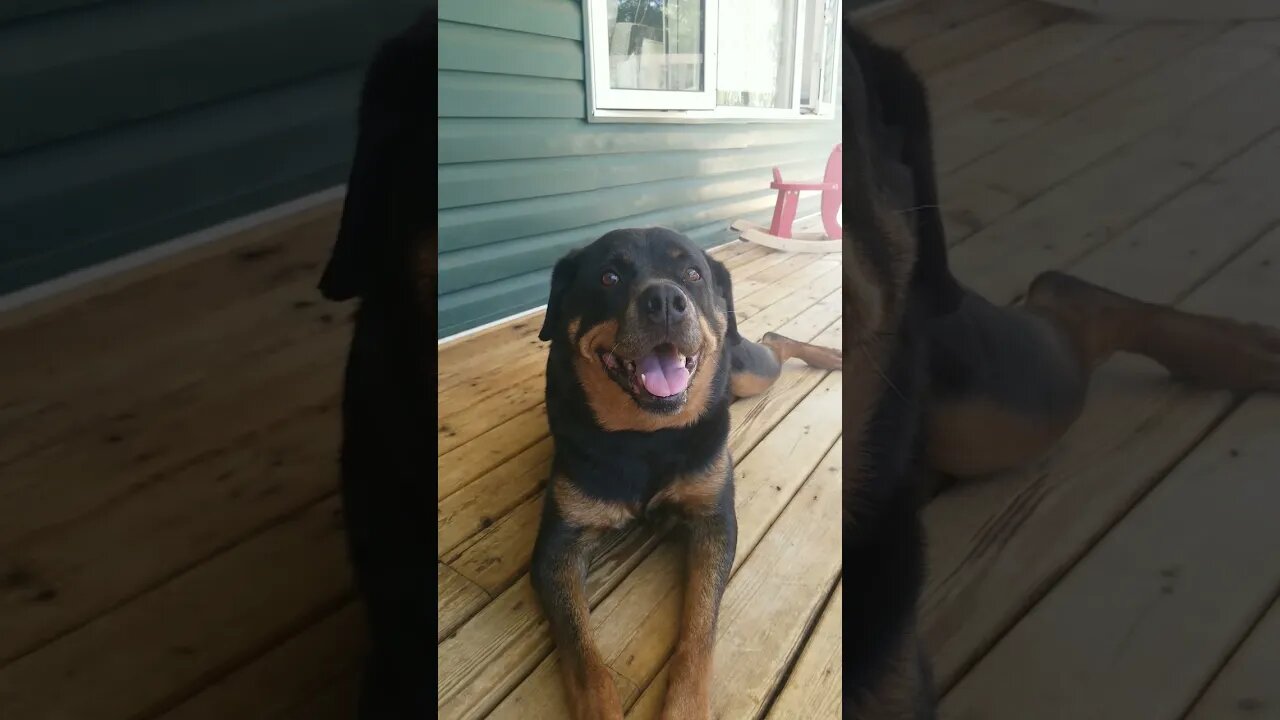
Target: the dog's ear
(393, 113)
(561, 278)
(724, 287)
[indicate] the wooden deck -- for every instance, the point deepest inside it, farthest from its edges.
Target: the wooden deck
(495, 650)
(169, 539)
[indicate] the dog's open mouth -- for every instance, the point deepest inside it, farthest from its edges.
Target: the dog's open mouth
(663, 373)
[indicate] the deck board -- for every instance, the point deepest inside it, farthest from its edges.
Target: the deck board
(1146, 618)
(1246, 688)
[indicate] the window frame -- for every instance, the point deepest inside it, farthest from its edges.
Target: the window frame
(656, 106)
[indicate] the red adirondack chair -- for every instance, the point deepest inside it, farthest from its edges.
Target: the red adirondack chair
(779, 234)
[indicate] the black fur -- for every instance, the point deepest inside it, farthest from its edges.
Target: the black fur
(624, 465)
(887, 136)
(388, 401)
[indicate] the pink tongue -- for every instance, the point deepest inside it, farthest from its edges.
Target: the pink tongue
(663, 374)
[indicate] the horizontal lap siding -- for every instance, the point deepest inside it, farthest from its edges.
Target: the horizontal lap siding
(523, 177)
(129, 123)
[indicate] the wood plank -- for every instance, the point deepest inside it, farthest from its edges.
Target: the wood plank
(153, 443)
(999, 544)
(814, 686)
(1246, 688)
(1002, 115)
(460, 466)
(1051, 230)
(143, 656)
(80, 570)
(989, 32)
(1143, 621)
(1076, 141)
(457, 594)
(634, 626)
(56, 400)
(958, 85)
(771, 603)
(300, 670)
(478, 505)
(929, 19)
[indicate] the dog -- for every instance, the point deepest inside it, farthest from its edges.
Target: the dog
(385, 255)
(644, 361)
(939, 380)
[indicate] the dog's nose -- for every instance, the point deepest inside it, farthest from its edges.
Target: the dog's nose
(663, 304)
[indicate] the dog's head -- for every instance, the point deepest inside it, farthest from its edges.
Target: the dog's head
(646, 316)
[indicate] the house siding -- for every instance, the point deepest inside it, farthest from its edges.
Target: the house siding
(523, 178)
(126, 124)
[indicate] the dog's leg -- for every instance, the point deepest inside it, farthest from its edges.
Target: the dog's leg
(1215, 352)
(712, 542)
(559, 572)
(1007, 382)
(756, 366)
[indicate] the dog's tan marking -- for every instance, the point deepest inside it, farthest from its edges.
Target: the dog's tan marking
(580, 510)
(976, 436)
(746, 384)
(696, 493)
(615, 409)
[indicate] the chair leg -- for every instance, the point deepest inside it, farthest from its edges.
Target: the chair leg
(784, 213)
(830, 206)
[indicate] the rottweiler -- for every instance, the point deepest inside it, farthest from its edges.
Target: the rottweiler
(940, 381)
(385, 255)
(644, 361)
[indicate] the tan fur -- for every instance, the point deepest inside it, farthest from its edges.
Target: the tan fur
(976, 436)
(582, 511)
(696, 493)
(744, 384)
(615, 409)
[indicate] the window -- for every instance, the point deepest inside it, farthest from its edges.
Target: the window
(696, 60)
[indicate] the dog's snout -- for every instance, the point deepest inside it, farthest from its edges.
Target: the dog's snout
(664, 304)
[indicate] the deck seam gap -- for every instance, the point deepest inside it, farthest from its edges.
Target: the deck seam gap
(1230, 655)
(806, 635)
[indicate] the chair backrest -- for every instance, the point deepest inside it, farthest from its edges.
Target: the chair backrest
(832, 199)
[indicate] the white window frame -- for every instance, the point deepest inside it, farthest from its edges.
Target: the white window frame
(661, 106)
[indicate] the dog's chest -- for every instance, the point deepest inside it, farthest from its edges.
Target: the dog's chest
(613, 497)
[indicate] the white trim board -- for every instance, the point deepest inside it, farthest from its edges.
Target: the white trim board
(78, 279)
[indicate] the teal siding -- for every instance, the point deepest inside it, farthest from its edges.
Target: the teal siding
(523, 177)
(127, 123)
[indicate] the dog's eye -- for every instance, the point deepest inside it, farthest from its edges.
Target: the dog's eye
(692, 275)
(609, 278)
